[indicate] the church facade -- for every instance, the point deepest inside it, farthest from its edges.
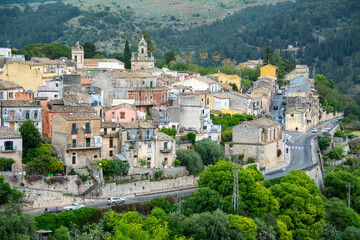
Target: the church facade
(141, 59)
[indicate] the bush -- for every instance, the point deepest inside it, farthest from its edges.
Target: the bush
(209, 151)
(192, 137)
(251, 160)
(177, 162)
(191, 160)
(6, 164)
(158, 174)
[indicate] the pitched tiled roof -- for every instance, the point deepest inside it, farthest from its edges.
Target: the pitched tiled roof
(48, 61)
(263, 122)
(7, 133)
(85, 81)
(71, 109)
(163, 137)
(78, 116)
(133, 74)
(136, 125)
(20, 103)
(108, 124)
(4, 85)
(95, 62)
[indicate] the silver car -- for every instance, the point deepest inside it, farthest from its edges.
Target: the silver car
(115, 200)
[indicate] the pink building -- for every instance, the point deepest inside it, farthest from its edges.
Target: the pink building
(120, 114)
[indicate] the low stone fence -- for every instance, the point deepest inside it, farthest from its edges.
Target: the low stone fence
(147, 186)
(141, 173)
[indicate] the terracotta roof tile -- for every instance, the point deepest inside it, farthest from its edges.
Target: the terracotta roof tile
(78, 116)
(5, 85)
(7, 133)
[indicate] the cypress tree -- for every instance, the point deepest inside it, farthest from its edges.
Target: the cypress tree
(127, 55)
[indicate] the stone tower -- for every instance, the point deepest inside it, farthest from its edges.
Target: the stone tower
(141, 60)
(77, 55)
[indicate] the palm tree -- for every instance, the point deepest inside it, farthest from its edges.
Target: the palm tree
(188, 57)
(229, 62)
(203, 54)
(216, 56)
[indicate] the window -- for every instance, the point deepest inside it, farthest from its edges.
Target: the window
(148, 162)
(111, 154)
(57, 85)
(87, 128)
(292, 115)
(148, 134)
(87, 142)
(27, 115)
(75, 58)
(113, 129)
(95, 156)
(132, 97)
(35, 114)
(73, 128)
(1, 95)
(8, 145)
(11, 95)
(122, 115)
(162, 99)
(138, 100)
(165, 145)
(151, 97)
(146, 99)
(207, 101)
(74, 143)
(73, 158)
(142, 50)
(12, 115)
(56, 95)
(111, 142)
(149, 147)
(143, 82)
(105, 131)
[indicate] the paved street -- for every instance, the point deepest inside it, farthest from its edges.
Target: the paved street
(298, 145)
(102, 203)
(277, 101)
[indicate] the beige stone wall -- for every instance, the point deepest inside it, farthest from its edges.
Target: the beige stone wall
(297, 121)
(329, 116)
(143, 187)
(105, 150)
(135, 65)
(245, 133)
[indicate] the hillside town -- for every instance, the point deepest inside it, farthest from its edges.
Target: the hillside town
(107, 131)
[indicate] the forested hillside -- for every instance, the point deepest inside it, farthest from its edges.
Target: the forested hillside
(326, 33)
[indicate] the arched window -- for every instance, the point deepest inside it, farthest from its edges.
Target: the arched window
(75, 58)
(73, 158)
(142, 50)
(35, 114)
(165, 145)
(27, 115)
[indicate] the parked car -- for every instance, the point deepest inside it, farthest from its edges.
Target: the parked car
(73, 207)
(276, 107)
(52, 210)
(115, 200)
(279, 92)
(314, 130)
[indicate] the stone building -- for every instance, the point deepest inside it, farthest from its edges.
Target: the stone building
(15, 112)
(8, 90)
(147, 98)
(52, 90)
(77, 55)
(165, 148)
(110, 139)
(141, 59)
(261, 138)
(11, 147)
(137, 141)
(76, 138)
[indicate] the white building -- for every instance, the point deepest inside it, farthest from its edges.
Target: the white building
(52, 90)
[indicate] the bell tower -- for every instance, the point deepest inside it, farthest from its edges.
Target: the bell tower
(142, 49)
(77, 55)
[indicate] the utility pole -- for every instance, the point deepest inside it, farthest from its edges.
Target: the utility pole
(349, 186)
(236, 196)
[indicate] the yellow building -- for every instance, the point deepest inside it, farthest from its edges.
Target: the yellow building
(227, 79)
(268, 70)
(28, 74)
(207, 99)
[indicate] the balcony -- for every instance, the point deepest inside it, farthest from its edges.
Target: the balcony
(74, 131)
(136, 138)
(84, 146)
(165, 150)
(87, 130)
(8, 149)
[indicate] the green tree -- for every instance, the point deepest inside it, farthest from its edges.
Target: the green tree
(301, 206)
(15, 225)
(169, 56)
(89, 50)
(337, 152)
(340, 216)
(6, 164)
(203, 200)
(192, 137)
(44, 164)
(245, 225)
(30, 135)
(191, 160)
(62, 233)
(324, 142)
(44, 149)
(188, 57)
(169, 131)
(6, 193)
(127, 55)
(210, 152)
(267, 58)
